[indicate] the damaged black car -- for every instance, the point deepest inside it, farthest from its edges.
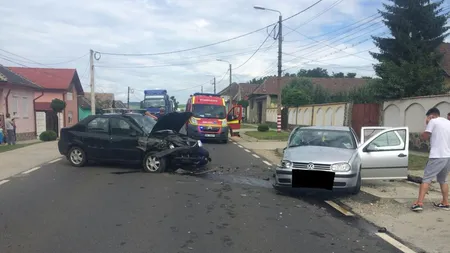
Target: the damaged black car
(157, 145)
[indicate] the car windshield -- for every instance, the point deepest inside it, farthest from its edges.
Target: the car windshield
(154, 102)
(209, 111)
(323, 138)
(146, 123)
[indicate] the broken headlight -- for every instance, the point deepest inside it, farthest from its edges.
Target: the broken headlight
(171, 146)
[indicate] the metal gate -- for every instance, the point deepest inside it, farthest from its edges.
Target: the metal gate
(365, 115)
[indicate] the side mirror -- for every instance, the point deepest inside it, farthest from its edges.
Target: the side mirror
(284, 148)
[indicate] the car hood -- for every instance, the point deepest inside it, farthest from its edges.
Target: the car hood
(317, 154)
(172, 121)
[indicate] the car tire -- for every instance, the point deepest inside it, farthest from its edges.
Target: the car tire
(152, 164)
(77, 157)
(355, 190)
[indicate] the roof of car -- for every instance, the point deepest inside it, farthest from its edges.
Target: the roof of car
(335, 128)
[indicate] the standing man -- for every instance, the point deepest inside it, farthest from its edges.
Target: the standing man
(448, 116)
(9, 130)
(438, 165)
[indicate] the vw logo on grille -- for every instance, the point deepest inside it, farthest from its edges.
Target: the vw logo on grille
(310, 166)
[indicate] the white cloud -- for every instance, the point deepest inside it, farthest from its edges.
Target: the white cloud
(50, 31)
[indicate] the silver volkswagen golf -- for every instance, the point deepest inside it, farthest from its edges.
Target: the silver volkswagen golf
(332, 158)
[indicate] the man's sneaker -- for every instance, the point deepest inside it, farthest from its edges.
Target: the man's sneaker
(442, 206)
(417, 207)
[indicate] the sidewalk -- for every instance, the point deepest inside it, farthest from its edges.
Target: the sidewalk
(386, 204)
(21, 159)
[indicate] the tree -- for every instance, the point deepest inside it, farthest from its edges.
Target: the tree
(409, 61)
(338, 75)
(175, 102)
(243, 102)
(351, 75)
(316, 72)
(298, 92)
(57, 105)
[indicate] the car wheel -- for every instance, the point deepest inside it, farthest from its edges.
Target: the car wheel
(355, 190)
(153, 164)
(77, 157)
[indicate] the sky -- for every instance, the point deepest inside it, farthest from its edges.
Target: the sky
(130, 35)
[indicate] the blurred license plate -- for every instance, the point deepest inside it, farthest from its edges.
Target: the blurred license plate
(210, 135)
(313, 179)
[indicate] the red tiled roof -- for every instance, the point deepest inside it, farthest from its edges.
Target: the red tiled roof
(42, 106)
(334, 85)
(444, 49)
(48, 78)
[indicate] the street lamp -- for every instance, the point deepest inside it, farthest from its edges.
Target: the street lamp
(280, 42)
(229, 86)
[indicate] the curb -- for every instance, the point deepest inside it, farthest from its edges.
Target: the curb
(33, 167)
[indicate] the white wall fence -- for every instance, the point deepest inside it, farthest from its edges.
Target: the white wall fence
(411, 112)
(333, 114)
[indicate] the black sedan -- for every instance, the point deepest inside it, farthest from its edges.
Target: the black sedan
(134, 138)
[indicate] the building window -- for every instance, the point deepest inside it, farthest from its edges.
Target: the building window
(24, 111)
(69, 96)
(70, 117)
(14, 106)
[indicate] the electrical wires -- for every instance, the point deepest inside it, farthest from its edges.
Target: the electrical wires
(212, 44)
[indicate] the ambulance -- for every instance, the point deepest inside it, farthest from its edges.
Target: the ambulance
(210, 119)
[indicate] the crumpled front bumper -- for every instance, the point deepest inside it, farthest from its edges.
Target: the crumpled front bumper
(187, 155)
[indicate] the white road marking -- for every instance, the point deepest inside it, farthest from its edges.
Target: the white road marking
(234, 142)
(246, 150)
(255, 155)
(240, 146)
(4, 181)
(395, 243)
(266, 162)
(54, 161)
(339, 208)
(31, 170)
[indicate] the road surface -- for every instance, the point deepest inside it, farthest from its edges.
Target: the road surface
(100, 208)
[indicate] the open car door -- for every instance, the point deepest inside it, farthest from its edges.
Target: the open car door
(385, 154)
(234, 117)
(367, 132)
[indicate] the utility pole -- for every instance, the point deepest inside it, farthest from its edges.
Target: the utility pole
(128, 98)
(92, 83)
(214, 83)
(202, 88)
(280, 48)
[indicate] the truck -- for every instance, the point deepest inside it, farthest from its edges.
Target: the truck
(157, 102)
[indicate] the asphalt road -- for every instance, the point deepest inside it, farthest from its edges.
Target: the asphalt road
(59, 208)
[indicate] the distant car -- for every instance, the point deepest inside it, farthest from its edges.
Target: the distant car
(135, 138)
(331, 157)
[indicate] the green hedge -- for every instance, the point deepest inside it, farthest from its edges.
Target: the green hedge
(263, 128)
(48, 136)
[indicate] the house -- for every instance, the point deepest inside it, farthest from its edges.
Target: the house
(63, 84)
(239, 91)
(264, 96)
(17, 99)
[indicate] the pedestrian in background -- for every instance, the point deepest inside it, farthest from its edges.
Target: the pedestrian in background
(448, 116)
(438, 165)
(9, 130)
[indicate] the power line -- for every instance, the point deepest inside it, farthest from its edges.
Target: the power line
(318, 15)
(32, 61)
(256, 51)
(215, 43)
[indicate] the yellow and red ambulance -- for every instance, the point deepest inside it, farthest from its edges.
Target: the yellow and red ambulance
(210, 120)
